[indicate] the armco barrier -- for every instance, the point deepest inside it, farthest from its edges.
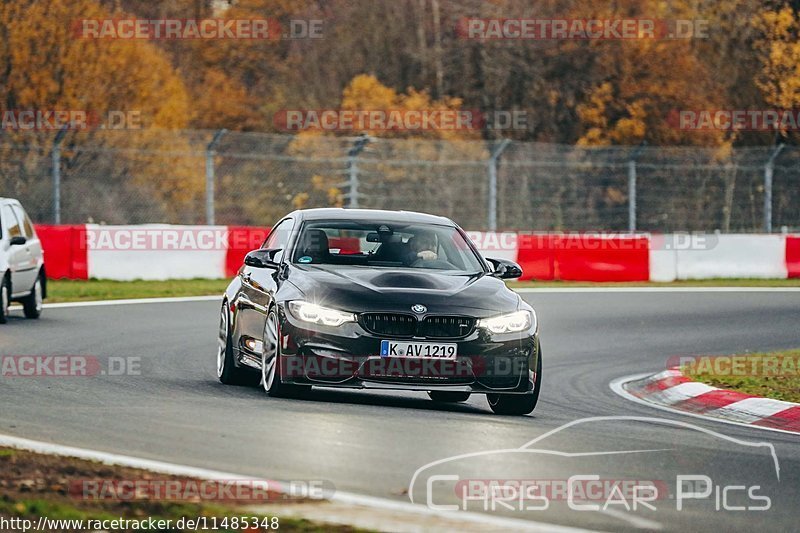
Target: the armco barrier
(584, 257)
(793, 256)
(734, 256)
(65, 251)
(179, 252)
(537, 256)
(242, 239)
(587, 257)
(156, 252)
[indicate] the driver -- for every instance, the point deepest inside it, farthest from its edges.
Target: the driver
(422, 247)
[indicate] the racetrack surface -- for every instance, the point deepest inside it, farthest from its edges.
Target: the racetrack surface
(373, 442)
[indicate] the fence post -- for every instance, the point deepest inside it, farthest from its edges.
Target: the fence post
(492, 211)
(632, 195)
(769, 170)
(352, 168)
(55, 158)
(632, 187)
(210, 177)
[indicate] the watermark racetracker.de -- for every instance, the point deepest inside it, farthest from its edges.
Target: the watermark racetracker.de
(575, 29)
(400, 120)
(68, 366)
(166, 29)
(69, 119)
(199, 490)
(767, 365)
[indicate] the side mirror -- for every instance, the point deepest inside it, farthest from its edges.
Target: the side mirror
(262, 258)
(19, 240)
(505, 269)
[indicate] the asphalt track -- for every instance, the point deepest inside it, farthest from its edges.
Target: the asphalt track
(372, 443)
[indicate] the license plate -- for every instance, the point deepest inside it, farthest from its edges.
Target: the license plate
(418, 349)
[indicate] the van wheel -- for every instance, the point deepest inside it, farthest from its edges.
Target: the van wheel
(32, 304)
(5, 299)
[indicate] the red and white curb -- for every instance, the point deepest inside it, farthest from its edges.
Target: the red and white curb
(671, 390)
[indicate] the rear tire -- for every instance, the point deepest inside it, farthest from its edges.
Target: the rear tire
(518, 404)
(227, 372)
(5, 299)
(448, 396)
(32, 304)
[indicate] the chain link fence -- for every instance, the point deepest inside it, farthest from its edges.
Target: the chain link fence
(152, 176)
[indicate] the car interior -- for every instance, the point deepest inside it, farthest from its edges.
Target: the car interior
(380, 246)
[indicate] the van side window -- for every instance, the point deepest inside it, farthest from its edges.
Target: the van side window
(14, 229)
(22, 217)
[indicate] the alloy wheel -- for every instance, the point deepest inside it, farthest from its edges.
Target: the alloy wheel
(222, 340)
(269, 357)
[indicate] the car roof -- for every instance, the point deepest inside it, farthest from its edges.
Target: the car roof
(337, 213)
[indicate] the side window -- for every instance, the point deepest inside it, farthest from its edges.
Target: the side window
(22, 217)
(279, 237)
(11, 222)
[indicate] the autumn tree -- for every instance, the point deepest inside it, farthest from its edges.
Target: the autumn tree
(779, 55)
(45, 65)
(366, 93)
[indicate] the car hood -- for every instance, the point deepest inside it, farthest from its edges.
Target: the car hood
(361, 289)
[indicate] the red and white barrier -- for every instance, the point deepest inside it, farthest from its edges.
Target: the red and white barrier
(155, 252)
(150, 252)
(718, 256)
(159, 252)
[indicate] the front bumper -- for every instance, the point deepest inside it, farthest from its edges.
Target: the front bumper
(348, 356)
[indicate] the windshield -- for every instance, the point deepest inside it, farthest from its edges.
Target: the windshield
(376, 243)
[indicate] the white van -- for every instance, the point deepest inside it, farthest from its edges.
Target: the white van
(22, 273)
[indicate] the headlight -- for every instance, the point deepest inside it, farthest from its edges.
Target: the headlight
(511, 323)
(316, 314)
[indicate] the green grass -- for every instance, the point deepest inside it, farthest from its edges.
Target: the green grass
(37, 485)
(771, 375)
(34, 508)
(79, 291)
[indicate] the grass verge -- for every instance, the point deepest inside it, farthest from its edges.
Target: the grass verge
(84, 291)
(34, 485)
(770, 375)
(80, 291)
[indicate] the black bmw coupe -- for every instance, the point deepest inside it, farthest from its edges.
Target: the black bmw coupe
(379, 300)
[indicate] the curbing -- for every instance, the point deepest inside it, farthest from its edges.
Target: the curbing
(673, 390)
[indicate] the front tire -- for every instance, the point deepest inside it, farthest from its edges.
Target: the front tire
(271, 366)
(448, 396)
(518, 404)
(227, 372)
(32, 304)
